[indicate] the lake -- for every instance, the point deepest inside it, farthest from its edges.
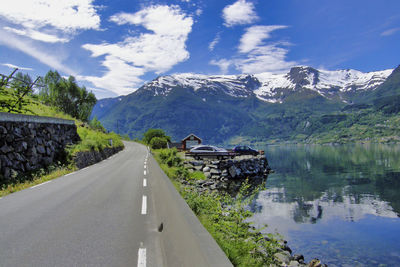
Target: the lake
(340, 204)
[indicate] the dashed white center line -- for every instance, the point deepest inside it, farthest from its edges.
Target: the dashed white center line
(145, 166)
(145, 172)
(144, 205)
(40, 184)
(141, 257)
(144, 182)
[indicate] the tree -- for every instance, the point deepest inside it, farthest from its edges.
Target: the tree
(158, 142)
(96, 124)
(67, 95)
(13, 92)
(152, 133)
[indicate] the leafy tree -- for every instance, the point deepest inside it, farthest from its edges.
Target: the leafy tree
(152, 133)
(158, 142)
(67, 95)
(96, 124)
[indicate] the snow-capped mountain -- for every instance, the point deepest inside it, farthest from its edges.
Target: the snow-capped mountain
(298, 105)
(273, 87)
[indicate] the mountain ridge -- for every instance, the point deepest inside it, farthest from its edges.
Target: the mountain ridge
(222, 108)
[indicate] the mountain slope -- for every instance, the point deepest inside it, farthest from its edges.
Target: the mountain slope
(232, 108)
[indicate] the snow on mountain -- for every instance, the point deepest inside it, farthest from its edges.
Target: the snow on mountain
(268, 86)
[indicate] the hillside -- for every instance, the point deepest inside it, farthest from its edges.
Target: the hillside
(304, 105)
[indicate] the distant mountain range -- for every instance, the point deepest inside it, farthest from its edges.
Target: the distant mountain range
(303, 105)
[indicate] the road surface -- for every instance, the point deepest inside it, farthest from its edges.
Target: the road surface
(108, 214)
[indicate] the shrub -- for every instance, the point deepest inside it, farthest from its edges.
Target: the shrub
(152, 133)
(158, 142)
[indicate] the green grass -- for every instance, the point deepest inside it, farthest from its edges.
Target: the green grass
(224, 217)
(38, 178)
(95, 140)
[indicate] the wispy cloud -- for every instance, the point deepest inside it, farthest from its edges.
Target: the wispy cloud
(12, 66)
(239, 13)
(40, 36)
(214, 42)
(47, 20)
(255, 35)
(223, 64)
(255, 55)
(157, 51)
(27, 47)
(390, 31)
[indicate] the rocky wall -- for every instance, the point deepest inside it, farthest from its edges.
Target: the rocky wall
(29, 143)
(229, 174)
(84, 159)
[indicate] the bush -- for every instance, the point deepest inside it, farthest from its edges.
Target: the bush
(152, 133)
(170, 157)
(158, 142)
(95, 140)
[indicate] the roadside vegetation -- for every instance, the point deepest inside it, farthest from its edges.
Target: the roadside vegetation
(225, 217)
(54, 96)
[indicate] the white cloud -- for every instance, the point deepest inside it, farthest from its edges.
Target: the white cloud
(239, 13)
(256, 56)
(267, 58)
(119, 78)
(223, 64)
(37, 17)
(40, 36)
(157, 51)
(199, 12)
(390, 32)
(12, 66)
(27, 47)
(255, 35)
(214, 42)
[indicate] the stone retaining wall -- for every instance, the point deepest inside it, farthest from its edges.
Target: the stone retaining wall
(84, 159)
(28, 143)
(229, 174)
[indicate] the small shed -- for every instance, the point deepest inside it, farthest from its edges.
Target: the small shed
(190, 141)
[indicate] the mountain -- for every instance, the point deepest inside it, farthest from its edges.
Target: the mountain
(243, 108)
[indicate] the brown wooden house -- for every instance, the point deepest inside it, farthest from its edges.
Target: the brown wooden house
(190, 141)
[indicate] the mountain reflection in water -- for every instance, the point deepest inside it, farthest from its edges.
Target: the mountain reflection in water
(335, 203)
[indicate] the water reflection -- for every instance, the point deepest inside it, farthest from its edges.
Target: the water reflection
(317, 187)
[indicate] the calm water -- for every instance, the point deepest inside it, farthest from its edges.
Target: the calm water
(340, 204)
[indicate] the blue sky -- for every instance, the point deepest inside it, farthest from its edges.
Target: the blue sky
(115, 46)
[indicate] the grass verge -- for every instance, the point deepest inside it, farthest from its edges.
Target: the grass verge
(38, 178)
(224, 217)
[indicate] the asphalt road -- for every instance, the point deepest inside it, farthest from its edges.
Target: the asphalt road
(108, 214)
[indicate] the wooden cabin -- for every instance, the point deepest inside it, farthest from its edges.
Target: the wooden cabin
(190, 141)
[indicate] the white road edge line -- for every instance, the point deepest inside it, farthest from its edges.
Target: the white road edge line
(69, 174)
(141, 262)
(144, 205)
(40, 184)
(144, 182)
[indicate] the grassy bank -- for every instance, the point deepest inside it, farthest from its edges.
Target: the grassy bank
(222, 215)
(92, 138)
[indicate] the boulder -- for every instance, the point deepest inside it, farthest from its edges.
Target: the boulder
(6, 149)
(282, 257)
(41, 149)
(315, 263)
(215, 171)
(3, 130)
(206, 169)
(294, 264)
